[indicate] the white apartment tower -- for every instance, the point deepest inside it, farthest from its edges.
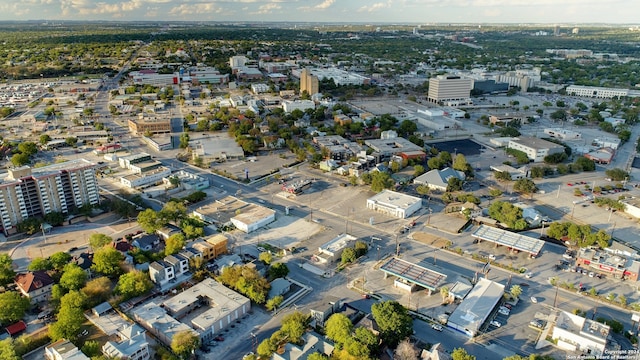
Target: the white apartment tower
(446, 88)
(27, 192)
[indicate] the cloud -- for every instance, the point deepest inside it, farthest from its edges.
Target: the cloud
(375, 7)
(267, 8)
(321, 6)
(191, 9)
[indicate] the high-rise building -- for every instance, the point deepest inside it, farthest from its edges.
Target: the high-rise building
(27, 192)
(448, 88)
(309, 82)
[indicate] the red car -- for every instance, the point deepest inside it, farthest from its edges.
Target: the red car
(569, 184)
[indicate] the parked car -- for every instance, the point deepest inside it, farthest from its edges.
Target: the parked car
(529, 275)
(218, 338)
(504, 312)
(436, 327)
(495, 323)
(534, 300)
(508, 306)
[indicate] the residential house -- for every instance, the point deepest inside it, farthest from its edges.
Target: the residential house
(168, 230)
(146, 242)
(438, 179)
(179, 263)
(279, 286)
(313, 343)
(132, 344)
(161, 273)
(64, 350)
(36, 285)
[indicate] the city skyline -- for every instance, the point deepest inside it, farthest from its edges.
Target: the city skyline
(389, 11)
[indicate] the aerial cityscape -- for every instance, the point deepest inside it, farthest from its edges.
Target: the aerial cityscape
(254, 188)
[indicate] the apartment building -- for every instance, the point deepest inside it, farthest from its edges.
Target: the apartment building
(309, 82)
(27, 192)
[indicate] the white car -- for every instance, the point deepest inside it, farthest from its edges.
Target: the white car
(495, 323)
(436, 327)
(534, 300)
(503, 312)
(529, 275)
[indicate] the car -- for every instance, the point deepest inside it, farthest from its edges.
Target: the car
(495, 323)
(218, 338)
(366, 296)
(492, 257)
(73, 249)
(534, 300)
(529, 275)
(504, 312)
(567, 256)
(536, 323)
(261, 249)
(84, 332)
(436, 327)
(508, 306)
(592, 274)
(569, 184)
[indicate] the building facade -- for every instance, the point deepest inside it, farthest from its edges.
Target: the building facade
(144, 125)
(394, 204)
(596, 92)
(27, 192)
(308, 82)
(536, 149)
(447, 88)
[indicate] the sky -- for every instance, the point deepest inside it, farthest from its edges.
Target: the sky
(364, 11)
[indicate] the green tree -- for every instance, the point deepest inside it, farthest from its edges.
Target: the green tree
(106, 261)
(184, 140)
(174, 244)
(8, 350)
(515, 291)
(73, 277)
(418, 170)
(39, 263)
(525, 186)
(7, 275)
(149, 221)
(44, 138)
(173, 211)
(454, 184)
(29, 148)
(265, 257)
(278, 270)
(380, 180)
(348, 255)
(98, 290)
(406, 128)
(460, 163)
(394, 321)
(274, 302)
(338, 328)
(12, 306)
(295, 325)
(70, 317)
(317, 356)
(133, 284)
(97, 240)
(92, 349)
(20, 159)
(59, 260)
(184, 343)
(266, 348)
(617, 174)
(461, 354)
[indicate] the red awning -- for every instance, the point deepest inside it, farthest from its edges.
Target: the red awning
(16, 328)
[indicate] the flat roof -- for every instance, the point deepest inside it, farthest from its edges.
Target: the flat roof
(395, 199)
(536, 143)
(337, 243)
(222, 301)
(477, 305)
(253, 213)
(413, 273)
(155, 318)
(509, 239)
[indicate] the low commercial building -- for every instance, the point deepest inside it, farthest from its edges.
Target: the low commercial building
(475, 308)
(601, 156)
(536, 149)
(155, 319)
(386, 148)
(149, 125)
(575, 333)
(596, 92)
(215, 148)
(438, 179)
(145, 179)
(338, 148)
(515, 173)
(563, 134)
(609, 262)
(394, 204)
(302, 105)
(253, 217)
(223, 307)
(188, 180)
(332, 250)
(245, 216)
(126, 162)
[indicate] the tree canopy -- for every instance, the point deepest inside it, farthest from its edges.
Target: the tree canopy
(6, 270)
(12, 306)
(132, 284)
(184, 343)
(107, 261)
(394, 321)
(507, 214)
